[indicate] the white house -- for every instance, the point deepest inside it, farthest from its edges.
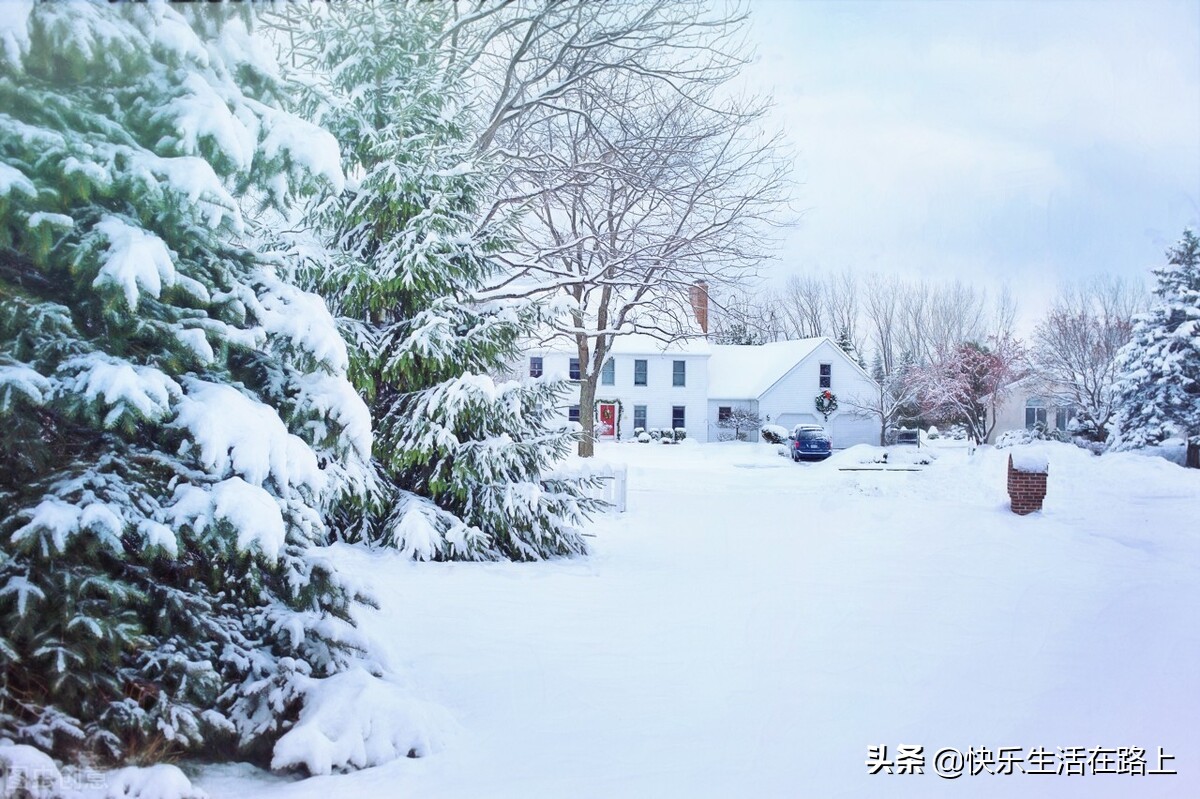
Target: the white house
(781, 381)
(1030, 403)
(645, 383)
(694, 384)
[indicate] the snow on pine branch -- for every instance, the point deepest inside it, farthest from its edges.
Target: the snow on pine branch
(237, 435)
(120, 386)
(252, 513)
(23, 381)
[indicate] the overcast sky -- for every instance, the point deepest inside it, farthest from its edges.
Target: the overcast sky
(988, 141)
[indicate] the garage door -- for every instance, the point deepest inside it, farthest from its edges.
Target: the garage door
(846, 431)
(790, 420)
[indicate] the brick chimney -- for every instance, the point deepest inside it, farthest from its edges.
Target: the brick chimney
(698, 294)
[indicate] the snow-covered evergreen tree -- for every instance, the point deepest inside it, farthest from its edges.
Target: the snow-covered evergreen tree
(462, 455)
(174, 415)
(1159, 394)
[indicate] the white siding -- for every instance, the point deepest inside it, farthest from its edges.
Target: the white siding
(791, 398)
(659, 395)
(714, 410)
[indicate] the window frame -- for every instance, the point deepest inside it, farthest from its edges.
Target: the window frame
(724, 412)
(679, 373)
(536, 366)
(645, 372)
(573, 413)
(642, 411)
(1036, 413)
(573, 369)
(608, 373)
(825, 375)
(678, 414)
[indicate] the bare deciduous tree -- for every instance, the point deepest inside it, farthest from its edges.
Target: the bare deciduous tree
(896, 392)
(882, 297)
(635, 182)
(663, 194)
(804, 306)
(1076, 344)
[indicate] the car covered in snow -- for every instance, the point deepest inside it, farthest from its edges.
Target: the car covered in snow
(810, 442)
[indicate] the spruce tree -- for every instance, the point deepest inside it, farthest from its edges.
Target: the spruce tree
(1159, 391)
(462, 455)
(174, 415)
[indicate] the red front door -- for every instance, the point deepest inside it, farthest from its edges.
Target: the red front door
(608, 420)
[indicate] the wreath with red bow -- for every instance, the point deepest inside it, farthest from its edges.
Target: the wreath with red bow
(826, 403)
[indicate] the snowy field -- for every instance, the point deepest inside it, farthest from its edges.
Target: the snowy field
(751, 626)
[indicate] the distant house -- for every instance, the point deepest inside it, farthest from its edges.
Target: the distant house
(693, 384)
(1031, 403)
(780, 382)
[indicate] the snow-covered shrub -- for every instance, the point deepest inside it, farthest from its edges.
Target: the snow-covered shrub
(644, 438)
(638, 431)
(1013, 438)
(680, 433)
(28, 773)
(160, 781)
(774, 433)
(932, 433)
(655, 434)
(1038, 432)
(401, 257)
(955, 432)
(356, 720)
(174, 415)
(742, 422)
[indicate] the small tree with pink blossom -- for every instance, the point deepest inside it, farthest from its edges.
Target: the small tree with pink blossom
(970, 382)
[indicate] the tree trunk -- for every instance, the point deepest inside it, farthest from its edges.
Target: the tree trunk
(587, 415)
(1193, 455)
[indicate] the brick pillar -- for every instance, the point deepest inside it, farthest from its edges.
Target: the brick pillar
(1025, 489)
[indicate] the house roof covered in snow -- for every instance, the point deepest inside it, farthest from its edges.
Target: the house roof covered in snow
(746, 371)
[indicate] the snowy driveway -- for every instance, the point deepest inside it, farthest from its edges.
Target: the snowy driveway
(751, 626)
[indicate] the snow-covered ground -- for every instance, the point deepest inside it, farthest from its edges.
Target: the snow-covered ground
(751, 626)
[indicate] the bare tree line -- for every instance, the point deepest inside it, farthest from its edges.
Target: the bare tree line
(879, 315)
(942, 351)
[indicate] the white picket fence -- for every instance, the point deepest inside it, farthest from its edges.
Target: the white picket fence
(613, 484)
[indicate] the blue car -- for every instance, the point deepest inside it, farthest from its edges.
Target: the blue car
(810, 442)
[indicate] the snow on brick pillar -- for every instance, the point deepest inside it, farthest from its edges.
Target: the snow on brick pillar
(1027, 483)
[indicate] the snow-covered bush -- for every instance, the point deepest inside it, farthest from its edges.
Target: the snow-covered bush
(680, 433)
(932, 433)
(742, 422)
(28, 773)
(644, 438)
(638, 431)
(774, 433)
(356, 720)
(1038, 432)
(655, 434)
(401, 257)
(174, 415)
(160, 781)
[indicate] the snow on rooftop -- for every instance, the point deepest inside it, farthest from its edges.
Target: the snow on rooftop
(745, 371)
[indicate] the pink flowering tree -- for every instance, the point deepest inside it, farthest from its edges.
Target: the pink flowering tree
(968, 383)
